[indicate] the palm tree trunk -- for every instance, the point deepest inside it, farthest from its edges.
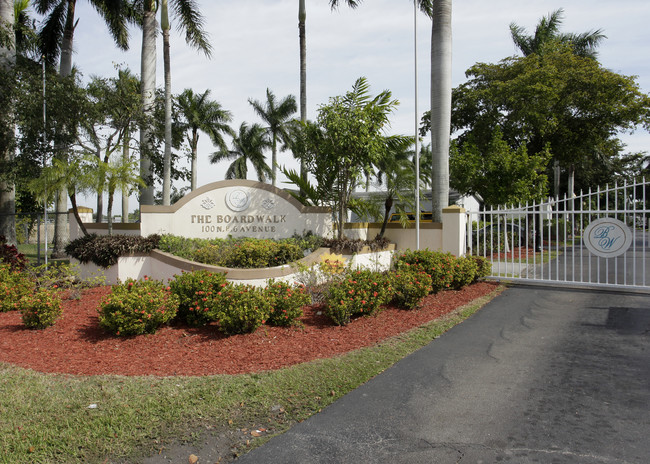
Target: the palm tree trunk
(75, 212)
(440, 106)
(194, 147)
(65, 69)
(148, 76)
(274, 160)
(7, 186)
(167, 166)
(302, 17)
(126, 155)
(388, 205)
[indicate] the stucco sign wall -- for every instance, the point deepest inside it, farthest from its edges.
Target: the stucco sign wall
(240, 208)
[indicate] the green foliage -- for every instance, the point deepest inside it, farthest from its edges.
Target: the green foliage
(286, 302)
(556, 101)
(104, 250)
(483, 267)
(191, 288)
(14, 286)
(41, 309)
(345, 142)
(361, 292)
(341, 244)
(437, 264)
(409, 287)
(136, 307)
(464, 270)
(497, 172)
(258, 253)
(242, 309)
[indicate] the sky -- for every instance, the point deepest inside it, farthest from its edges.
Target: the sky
(255, 47)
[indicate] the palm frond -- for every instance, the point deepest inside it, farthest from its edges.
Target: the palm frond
(192, 22)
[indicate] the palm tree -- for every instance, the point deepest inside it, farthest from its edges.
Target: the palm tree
(302, 17)
(277, 115)
(440, 103)
(248, 145)
(547, 32)
(191, 21)
(56, 38)
(7, 62)
(205, 115)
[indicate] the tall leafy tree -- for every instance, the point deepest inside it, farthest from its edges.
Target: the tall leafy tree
(199, 113)
(277, 115)
(557, 102)
(7, 64)
(547, 34)
(346, 141)
(191, 21)
(56, 39)
(247, 146)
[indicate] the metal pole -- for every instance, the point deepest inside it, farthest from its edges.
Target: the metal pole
(417, 146)
(44, 158)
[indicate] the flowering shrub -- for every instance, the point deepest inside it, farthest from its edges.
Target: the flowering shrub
(14, 286)
(286, 302)
(464, 272)
(41, 309)
(409, 287)
(193, 289)
(241, 309)
(483, 267)
(331, 265)
(438, 265)
(362, 292)
(136, 307)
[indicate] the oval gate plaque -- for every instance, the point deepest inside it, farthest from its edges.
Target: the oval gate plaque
(607, 237)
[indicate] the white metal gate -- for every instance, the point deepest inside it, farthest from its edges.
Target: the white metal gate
(599, 238)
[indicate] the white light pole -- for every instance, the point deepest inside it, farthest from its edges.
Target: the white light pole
(45, 159)
(417, 146)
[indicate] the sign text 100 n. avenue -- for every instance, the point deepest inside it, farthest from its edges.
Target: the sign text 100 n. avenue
(237, 223)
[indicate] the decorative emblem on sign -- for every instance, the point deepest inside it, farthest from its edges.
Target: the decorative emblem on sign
(238, 199)
(269, 204)
(207, 203)
(607, 237)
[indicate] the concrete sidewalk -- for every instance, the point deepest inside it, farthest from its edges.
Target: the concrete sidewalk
(538, 375)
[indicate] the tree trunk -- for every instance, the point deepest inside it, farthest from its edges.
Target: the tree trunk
(440, 106)
(109, 210)
(302, 17)
(126, 155)
(388, 205)
(65, 69)
(100, 194)
(195, 144)
(274, 160)
(167, 163)
(148, 76)
(7, 185)
(75, 212)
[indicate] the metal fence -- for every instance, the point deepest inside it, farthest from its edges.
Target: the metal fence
(32, 229)
(599, 238)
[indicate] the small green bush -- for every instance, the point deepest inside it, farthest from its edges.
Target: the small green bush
(41, 309)
(136, 307)
(483, 267)
(361, 292)
(410, 286)
(242, 309)
(286, 302)
(256, 253)
(465, 270)
(191, 288)
(14, 286)
(440, 266)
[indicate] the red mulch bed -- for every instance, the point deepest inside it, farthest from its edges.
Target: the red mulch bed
(77, 345)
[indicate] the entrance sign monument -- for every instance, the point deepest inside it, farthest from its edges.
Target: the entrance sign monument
(237, 208)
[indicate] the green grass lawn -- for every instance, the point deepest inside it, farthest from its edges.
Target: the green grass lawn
(44, 418)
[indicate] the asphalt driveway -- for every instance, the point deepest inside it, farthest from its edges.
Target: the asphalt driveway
(538, 375)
